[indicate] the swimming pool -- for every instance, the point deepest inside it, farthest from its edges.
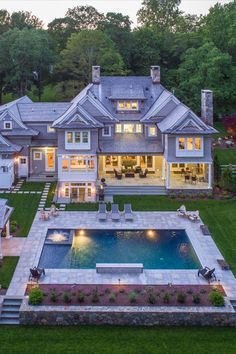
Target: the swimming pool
(82, 249)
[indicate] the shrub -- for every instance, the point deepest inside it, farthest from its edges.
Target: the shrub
(122, 290)
(152, 299)
(196, 298)
(166, 298)
(107, 291)
(95, 296)
(80, 296)
(202, 291)
(189, 291)
(66, 297)
(112, 297)
(133, 297)
(181, 298)
(53, 295)
(35, 296)
(216, 298)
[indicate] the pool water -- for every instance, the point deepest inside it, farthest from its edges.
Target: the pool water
(156, 249)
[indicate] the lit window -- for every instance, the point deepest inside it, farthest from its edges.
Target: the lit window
(91, 164)
(65, 165)
(128, 128)
(197, 143)
(37, 155)
(118, 128)
(50, 129)
(106, 130)
(69, 137)
(127, 105)
(77, 137)
(121, 105)
(89, 192)
(7, 125)
(152, 131)
(134, 104)
(189, 143)
(67, 192)
(85, 137)
(138, 128)
(181, 143)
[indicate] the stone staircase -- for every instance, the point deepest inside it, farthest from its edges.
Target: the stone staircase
(10, 311)
(135, 190)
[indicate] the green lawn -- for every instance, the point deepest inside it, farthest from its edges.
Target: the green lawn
(25, 207)
(117, 340)
(32, 186)
(222, 132)
(226, 156)
(6, 270)
(51, 194)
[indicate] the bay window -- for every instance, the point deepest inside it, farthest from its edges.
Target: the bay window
(77, 140)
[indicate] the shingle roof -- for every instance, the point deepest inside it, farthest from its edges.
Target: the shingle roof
(127, 92)
(6, 146)
(42, 112)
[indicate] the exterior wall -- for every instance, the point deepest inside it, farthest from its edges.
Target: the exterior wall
(170, 152)
(39, 166)
(43, 134)
(6, 173)
(82, 191)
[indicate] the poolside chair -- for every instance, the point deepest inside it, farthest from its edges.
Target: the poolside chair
(194, 216)
(36, 273)
(128, 212)
(182, 211)
(102, 212)
(115, 214)
(207, 273)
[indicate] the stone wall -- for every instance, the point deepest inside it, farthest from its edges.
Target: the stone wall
(139, 317)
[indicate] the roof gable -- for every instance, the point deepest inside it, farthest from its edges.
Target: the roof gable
(6, 146)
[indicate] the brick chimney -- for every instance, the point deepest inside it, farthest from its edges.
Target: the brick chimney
(155, 74)
(96, 78)
(207, 106)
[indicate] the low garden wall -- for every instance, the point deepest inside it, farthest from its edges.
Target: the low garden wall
(131, 316)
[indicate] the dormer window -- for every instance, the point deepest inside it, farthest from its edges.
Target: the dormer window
(8, 125)
(127, 105)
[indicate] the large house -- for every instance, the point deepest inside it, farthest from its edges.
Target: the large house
(116, 128)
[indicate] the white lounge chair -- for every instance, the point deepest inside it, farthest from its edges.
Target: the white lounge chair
(102, 212)
(182, 211)
(115, 214)
(128, 212)
(194, 216)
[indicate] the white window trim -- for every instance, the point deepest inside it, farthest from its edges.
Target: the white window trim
(77, 146)
(103, 130)
(40, 155)
(7, 122)
(152, 135)
(185, 152)
(50, 129)
(135, 128)
(127, 109)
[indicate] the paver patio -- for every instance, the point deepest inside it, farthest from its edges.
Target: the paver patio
(204, 246)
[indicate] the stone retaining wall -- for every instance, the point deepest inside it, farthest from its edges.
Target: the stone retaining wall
(131, 317)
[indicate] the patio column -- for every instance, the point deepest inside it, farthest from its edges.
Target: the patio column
(209, 176)
(163, 169)
(168, 175)
(8, 230)
(1, 255)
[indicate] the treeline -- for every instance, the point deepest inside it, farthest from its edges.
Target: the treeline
(53, 64)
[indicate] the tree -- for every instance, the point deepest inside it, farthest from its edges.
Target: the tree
(4, 21)
(159, 14)
(23, 52)
(118, 28)
(217, 169)
(145, 51)
(25, 19)
(84, 49)
(207, 67)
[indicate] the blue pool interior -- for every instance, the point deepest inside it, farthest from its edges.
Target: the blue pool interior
(82, 249)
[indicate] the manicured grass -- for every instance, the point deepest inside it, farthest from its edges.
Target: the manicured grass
(226, 156)
(220, 215)
(25, 207)
(6, 270)
(117, 340)
(32, 186)
(51, 194)
(220, 127)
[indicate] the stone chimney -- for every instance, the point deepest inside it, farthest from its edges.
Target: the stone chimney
(207, 106)
(156, 74)
(96, 78)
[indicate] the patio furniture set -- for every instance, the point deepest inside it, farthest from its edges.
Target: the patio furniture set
(130, 173)
(44, 216)
(115, 213)
(193, 216)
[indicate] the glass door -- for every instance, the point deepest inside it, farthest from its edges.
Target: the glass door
(50, 160)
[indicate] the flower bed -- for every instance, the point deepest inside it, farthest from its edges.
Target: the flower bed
(126, 295)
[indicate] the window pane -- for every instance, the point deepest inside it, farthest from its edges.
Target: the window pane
(65, 165)
(69, 137)
(134, 104)
(121, 105)
(89, 192)
(138, 128)
(181, 144)
(85, 137)
(149, 161)
(127, 105)
(91, 164)
(189, 143)
(152, 131)
(77, 137)
(106, 130)
(128, 128)
(118, 128)
(197, 143)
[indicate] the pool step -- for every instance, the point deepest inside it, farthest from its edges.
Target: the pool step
(10, 311)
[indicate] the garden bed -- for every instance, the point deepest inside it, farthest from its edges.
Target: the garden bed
(127, 295)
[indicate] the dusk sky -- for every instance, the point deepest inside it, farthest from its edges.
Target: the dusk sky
(47, 10)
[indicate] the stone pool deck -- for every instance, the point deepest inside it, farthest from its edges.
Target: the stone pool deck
(204, 247)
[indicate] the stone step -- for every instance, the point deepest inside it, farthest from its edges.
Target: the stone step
(12, 301)
(9, 321)
(9, 315)
(11, 308)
